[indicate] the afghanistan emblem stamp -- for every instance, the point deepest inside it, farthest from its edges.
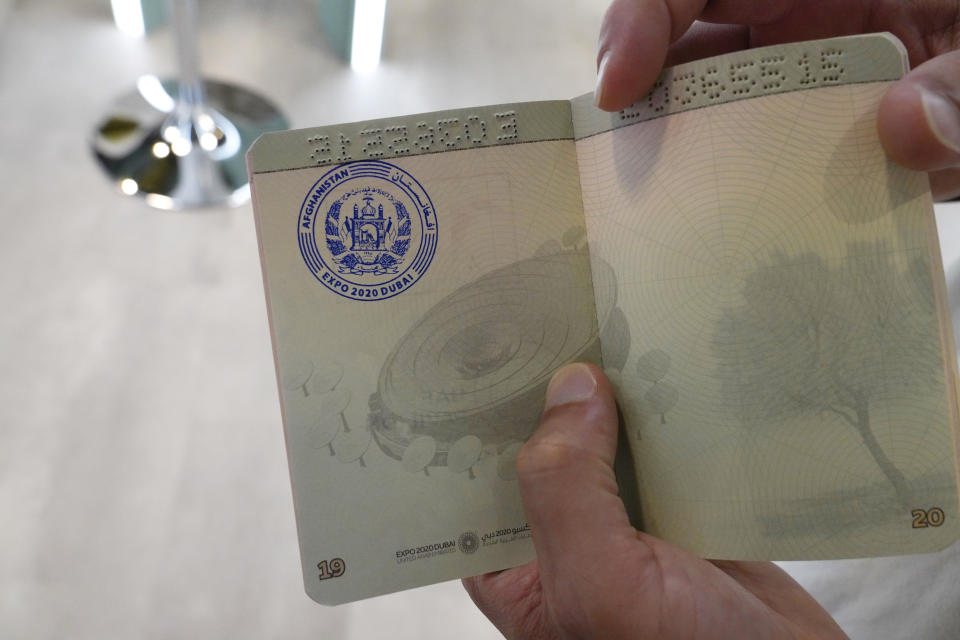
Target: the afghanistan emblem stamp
(367, 230)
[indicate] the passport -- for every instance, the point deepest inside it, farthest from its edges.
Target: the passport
(762, 286)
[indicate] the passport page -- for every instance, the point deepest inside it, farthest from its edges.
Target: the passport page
(789, 390)
(425, 276)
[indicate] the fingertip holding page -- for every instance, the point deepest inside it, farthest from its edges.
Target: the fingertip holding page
(598, 90)
(943, 117)
(564, 235)
(919, 117)
(571, 384)
(632, 47)
(919, 128)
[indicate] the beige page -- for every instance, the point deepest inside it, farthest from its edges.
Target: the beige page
(408, 387)
(789, 390)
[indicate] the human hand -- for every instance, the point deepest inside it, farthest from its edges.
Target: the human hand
(919, 119)
(596, 576)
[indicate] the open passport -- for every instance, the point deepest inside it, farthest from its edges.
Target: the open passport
(763, 287)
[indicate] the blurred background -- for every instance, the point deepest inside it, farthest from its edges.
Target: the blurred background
(143, 483)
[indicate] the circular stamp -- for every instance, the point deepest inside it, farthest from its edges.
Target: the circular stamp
(468, 542)
(367, 230)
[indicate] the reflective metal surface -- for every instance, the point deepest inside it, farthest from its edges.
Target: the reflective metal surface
(177, 155)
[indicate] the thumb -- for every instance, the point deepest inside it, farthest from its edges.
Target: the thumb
(568, 485)
(919, 122)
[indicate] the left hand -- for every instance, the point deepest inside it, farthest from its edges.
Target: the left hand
(919, 119)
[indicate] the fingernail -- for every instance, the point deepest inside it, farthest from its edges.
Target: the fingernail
(943, 116)
(573, 383)
(598, 89)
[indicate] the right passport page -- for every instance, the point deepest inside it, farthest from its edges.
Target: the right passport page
(785, 367)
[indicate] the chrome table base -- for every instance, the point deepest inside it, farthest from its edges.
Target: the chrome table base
(176, 155)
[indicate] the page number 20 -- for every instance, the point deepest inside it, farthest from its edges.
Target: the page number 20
(923, 518)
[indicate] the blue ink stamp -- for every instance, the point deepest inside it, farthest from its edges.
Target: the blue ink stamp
(367, 230)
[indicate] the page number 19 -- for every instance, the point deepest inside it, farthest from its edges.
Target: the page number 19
(331, 568)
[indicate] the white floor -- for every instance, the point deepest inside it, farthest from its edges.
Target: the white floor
(143, 483)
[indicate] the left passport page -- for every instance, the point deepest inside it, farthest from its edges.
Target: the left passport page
(424, 276)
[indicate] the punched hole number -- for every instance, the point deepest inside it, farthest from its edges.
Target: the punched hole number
(331, 568)
(923, 518)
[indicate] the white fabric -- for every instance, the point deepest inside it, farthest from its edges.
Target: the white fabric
(879, 598)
